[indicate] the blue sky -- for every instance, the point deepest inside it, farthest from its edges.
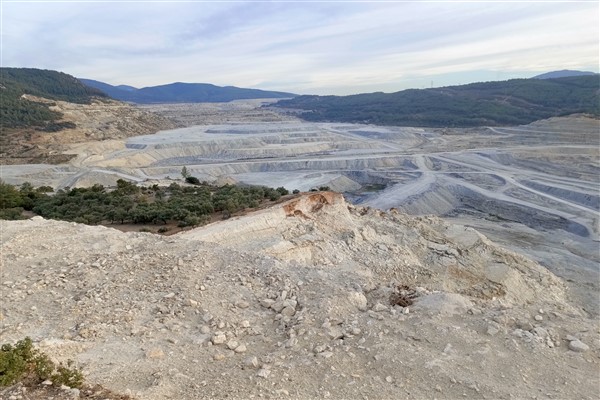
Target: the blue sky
(302, 47)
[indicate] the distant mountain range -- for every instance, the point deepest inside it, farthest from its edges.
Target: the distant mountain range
(563, 74)
(182, 93)
(512, 102)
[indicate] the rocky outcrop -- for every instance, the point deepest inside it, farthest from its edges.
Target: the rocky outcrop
(322, 229)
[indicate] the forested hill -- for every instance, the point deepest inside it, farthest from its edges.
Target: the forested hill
(513, 102)
(183, 93)
(53, 85)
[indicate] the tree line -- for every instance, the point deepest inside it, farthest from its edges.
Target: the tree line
(131, 204)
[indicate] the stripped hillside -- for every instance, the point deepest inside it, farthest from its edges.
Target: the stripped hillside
(19, 111)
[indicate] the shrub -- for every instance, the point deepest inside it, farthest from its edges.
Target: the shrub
(192, 180)
(23, 361)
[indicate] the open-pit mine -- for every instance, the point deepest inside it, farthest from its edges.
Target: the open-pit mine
(317, 297)
(533, 188)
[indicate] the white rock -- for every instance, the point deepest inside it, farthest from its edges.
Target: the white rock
(219, 338)
(263, 373)
(232, 344)
(245, 324)
(492, 330)
(204, 329)
(379, 307)
(358, 300)
(277, 306)
(290, 303)
(242, 304)
(288, 311)
(267, 303)
(192, 302)
(320, 348)
(335, 332)
(251, 362)
(240, 349)
(578, 346)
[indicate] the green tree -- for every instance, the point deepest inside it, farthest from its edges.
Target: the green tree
(185, 173)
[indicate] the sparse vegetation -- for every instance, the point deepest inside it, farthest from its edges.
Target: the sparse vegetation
(23, 362)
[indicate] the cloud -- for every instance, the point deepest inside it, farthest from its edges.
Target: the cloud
(323, 48)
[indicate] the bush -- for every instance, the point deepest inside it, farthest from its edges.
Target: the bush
(192, 180)
(23, 361)
(12, 213)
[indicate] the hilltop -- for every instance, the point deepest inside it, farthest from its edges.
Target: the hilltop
(512, 102)
(19, 111)
(45, 111)
(313, 298)
(180, 92)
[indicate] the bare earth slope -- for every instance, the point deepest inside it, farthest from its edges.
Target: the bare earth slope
(295, 302)
(98, 121)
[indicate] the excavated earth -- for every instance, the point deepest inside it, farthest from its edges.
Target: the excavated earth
(99, 121)
(312, 298)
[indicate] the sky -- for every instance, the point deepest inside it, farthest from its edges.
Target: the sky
(304, 47)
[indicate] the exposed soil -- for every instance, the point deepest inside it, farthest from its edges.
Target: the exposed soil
(101, 120)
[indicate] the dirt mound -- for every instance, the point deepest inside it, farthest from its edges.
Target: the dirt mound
(302, 301)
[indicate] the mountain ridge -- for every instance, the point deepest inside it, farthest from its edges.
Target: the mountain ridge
(497, 103)
(182, 92)
(564, 73)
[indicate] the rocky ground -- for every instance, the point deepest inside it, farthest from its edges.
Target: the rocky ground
(312, 298)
